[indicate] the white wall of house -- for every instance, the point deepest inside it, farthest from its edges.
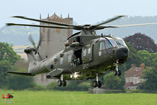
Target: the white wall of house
(134, 80)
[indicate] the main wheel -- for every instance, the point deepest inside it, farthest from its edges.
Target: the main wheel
(99, 84)
(119, 73)
(64, 83)
(95, 84)
(59, 83)
(115, 73)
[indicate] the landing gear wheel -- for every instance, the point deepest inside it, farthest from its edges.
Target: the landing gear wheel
(119, 73)
(59, 83)
(95, 84)
(64, 83)
(99, 84)
(115, 73)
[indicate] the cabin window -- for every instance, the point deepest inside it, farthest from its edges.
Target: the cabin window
(102, 45)
(61, 61)
(69, 58)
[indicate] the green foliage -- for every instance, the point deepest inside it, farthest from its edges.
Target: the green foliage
(7, 59)
(7, 53)
(150, 59)
(18, 82)
(150, 83)
(113, 82)
(133, 58)
(84, 86)
(71, 86)
(150, 75)
(52, 85)
(37, 87)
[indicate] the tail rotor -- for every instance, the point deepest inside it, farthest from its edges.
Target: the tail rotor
(30, 38)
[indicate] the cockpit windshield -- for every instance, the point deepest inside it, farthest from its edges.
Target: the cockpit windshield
(120, 42)
(113, 42)
(106, 43)
(116, 42)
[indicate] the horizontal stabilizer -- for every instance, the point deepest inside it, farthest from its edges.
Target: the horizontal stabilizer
(19, 73)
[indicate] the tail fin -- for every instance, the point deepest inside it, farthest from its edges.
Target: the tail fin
(30, 54)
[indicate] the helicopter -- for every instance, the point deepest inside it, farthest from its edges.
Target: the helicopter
(9, 96)
(86, 55)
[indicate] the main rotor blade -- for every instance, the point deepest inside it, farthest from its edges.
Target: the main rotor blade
(102, 27)
(110, 20)
(43, 21)
(132, 25)
(14, 24)
(119, 26)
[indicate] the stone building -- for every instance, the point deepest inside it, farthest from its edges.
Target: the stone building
(133, 77)
(52, 41)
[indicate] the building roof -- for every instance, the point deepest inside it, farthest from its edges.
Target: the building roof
(135, 71)
(128, 84)
(54, 16)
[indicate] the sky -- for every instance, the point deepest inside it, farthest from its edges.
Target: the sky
(82, 11)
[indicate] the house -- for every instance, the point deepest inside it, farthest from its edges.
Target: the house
(133, 77)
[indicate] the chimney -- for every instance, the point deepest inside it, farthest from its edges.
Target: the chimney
(142, 65)
(133, 65)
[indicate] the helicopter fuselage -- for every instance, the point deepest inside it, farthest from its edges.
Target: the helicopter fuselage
(82, 54)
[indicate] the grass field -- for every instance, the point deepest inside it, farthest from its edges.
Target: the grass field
(78, 98)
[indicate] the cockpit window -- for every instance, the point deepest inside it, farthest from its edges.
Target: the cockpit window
(121, 43)
(114, 43)
(105, 44)
(108, 44)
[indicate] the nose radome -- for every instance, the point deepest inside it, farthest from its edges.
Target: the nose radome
(122, 53)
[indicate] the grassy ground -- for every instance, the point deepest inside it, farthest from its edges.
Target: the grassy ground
(78, 98)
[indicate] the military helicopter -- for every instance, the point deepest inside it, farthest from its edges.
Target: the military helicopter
(84, 55)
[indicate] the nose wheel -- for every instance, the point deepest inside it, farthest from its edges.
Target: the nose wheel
(117, 71)
(97, 83)
(61, 82)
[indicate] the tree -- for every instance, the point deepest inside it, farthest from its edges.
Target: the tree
(150, 75)
(133, 58)
(7, 59)
(113, 82)
(149, 59)
(18, 82)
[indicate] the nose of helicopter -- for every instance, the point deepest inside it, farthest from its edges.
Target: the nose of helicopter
(122, 53)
